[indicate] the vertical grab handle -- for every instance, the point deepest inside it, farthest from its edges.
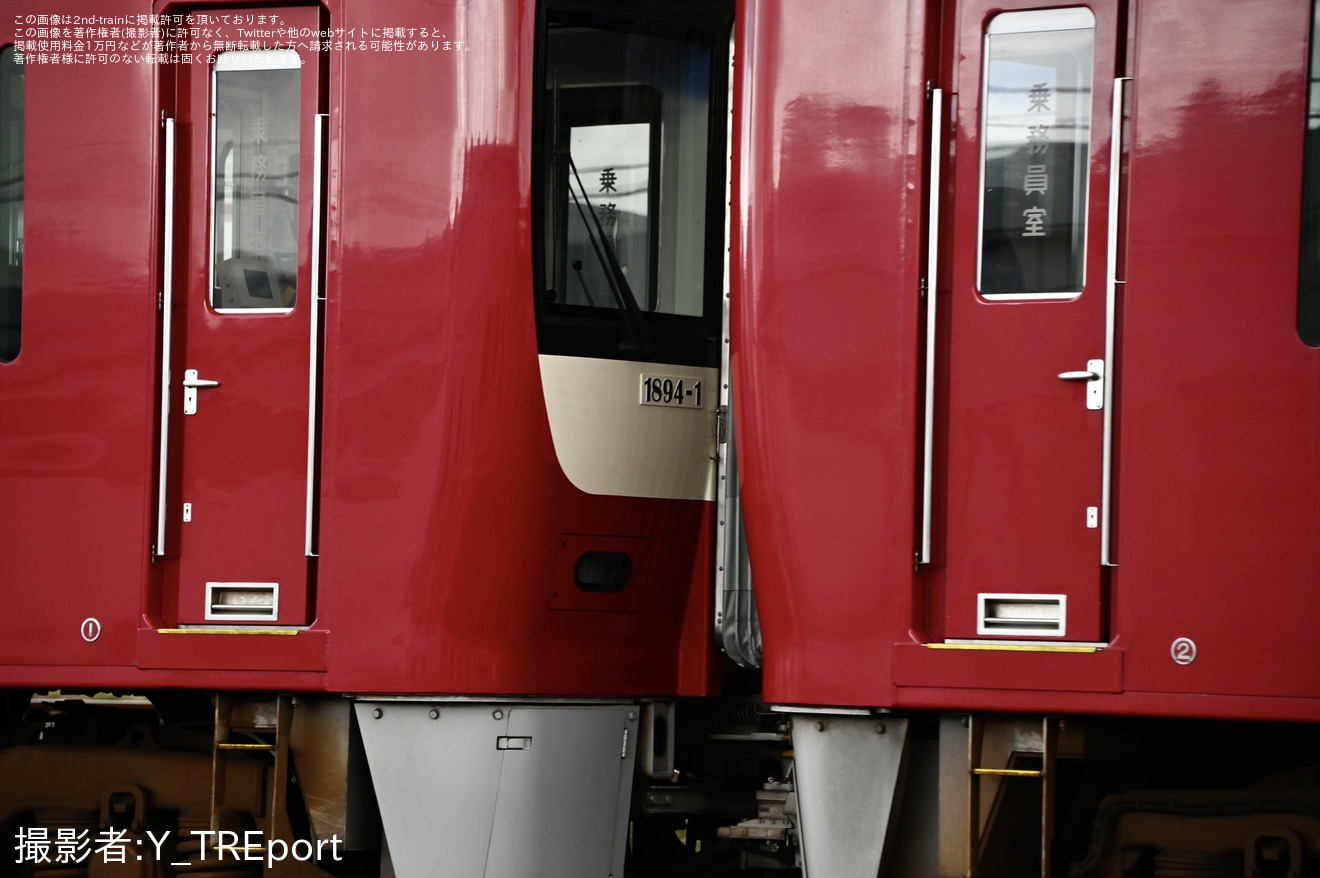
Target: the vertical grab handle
(166, 318)
(932, 271)
(1111, 296)
(317, 298)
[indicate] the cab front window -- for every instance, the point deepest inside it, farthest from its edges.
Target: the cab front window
(630, 168)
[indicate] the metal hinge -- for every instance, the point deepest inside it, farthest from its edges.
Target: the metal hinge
(623, 754)
(924, 287)
(160, 300)
(722, 425)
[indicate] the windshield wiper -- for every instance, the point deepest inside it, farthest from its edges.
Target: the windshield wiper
(636, 335)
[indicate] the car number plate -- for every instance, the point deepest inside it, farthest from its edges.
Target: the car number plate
(667, 390)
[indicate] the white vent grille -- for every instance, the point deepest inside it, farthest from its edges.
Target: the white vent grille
(1034, 615)
(242, 601)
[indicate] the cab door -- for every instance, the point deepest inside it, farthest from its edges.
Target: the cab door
(1027, 332)
(244, 368)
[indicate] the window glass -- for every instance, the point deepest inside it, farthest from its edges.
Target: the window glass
(256, 155)
(616, 159)
(630, 174)
(11, 203)
(1308, 299)
(606, 172)
(1035, 141)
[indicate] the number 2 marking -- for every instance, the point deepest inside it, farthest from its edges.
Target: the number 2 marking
(1183, 650)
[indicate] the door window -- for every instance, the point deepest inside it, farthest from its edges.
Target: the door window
(256, 150)
(1035, 145)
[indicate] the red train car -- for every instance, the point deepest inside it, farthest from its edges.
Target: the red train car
(1028, 396)
(359, 369)
(365, 433)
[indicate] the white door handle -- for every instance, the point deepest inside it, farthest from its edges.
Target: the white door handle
(1094, 375)
(190, 384)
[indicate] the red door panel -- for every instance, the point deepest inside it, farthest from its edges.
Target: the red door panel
(1027, 322)
(245, 266)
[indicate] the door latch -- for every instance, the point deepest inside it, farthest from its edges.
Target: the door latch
(1094, 376)
(190, 384)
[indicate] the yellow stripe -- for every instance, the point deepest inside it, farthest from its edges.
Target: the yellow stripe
(273, 631)
(1010, 647)
(1008, 772)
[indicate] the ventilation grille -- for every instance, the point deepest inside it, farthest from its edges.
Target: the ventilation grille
(242, 601)
(1035, 615)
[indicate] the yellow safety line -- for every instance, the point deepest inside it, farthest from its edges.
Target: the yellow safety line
(280, 631)
(1009, 647)
(1008, 772)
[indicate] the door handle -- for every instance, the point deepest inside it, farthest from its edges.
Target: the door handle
(166, 330)
(931, 285)
(1094, 376)
(190, 384)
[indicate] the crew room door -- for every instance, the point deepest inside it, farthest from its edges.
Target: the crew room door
(1027, 321)
(246, 278)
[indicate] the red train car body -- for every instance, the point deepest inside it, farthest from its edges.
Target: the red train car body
(1025, 375)
(284, 415)
(443, 444)
(1213, 482)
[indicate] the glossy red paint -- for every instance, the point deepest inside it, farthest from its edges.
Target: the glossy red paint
(826, 306)
(1221, 401)
(1217, 478)
(76, 427)
(442, 506)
